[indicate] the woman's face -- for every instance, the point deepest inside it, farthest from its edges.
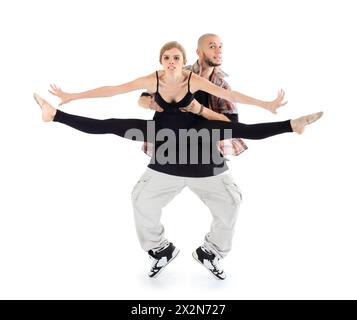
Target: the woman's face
(172, 60)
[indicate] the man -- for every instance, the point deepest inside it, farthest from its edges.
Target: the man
(211, 182)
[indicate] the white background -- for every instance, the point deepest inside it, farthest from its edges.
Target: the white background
(66, 223)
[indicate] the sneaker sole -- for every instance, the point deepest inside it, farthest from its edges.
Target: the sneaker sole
(174, 255)
(194, 255)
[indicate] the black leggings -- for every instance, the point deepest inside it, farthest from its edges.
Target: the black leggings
(121, 126)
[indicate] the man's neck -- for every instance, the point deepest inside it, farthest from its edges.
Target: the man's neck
(206, 70)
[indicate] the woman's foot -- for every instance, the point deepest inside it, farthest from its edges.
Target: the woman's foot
(298, 125)
(48, 112)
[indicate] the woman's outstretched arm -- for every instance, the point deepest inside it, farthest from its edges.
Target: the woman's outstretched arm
(146, 82)
(199, 83)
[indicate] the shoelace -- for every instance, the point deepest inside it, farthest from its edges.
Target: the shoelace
(216, 267)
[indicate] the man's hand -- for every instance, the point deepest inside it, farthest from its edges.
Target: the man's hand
(194, 107)
(272, 106)
(147, 102)
(64, 96)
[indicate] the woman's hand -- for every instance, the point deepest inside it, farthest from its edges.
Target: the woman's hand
(272, 106)
(64, 96)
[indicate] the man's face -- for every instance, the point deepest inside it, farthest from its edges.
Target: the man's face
(211, 51)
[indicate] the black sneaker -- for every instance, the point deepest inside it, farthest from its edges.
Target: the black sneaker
(210, 261)
(161, 259)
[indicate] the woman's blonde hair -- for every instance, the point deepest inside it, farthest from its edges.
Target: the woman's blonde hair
(173, 44)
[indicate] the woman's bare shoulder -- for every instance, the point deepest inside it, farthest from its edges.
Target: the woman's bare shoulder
(151, 75)
(196, 77)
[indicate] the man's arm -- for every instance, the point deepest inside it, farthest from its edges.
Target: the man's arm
(200, 109)
(213, 115)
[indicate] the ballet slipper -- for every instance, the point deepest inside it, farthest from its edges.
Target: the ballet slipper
(48, 112)
(298, 125)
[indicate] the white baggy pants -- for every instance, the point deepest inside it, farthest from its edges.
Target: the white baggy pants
(155, 190)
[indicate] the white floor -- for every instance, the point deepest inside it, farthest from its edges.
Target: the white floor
(66, 226)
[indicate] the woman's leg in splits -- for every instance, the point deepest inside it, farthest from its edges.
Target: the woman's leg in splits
(241, 130)
(259, 130)
(133, 129)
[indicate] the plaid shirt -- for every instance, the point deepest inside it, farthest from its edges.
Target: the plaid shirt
(233, 146)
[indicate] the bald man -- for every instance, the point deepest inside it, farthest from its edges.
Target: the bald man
(211, 182)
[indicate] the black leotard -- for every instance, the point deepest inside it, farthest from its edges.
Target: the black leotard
(172, 117)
